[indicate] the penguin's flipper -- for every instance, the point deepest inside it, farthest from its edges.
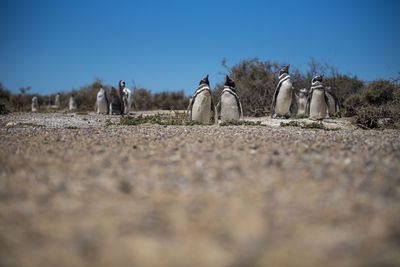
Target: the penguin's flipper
(240, 110)
(214, 109)
(308, 103)
(274, 98)
(218, 106)
(326, 103)
(189, 110)
(107, 103)
(337, 106)
(293, 105)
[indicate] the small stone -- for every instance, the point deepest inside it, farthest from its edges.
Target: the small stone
(199, 163)
(125, 187)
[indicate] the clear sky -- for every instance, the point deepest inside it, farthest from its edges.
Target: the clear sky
(57, 45)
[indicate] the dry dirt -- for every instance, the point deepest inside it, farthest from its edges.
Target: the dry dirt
(77, 191)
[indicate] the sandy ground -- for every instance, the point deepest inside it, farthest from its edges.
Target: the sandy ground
(76, 191)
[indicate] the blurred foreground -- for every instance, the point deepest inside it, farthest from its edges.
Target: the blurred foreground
(82, 190)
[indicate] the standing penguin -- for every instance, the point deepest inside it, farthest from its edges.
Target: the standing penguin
(72, 103)
(301, 100)
(282, 100)
(126, 96)
(317, 100)
(35, 104)
(231, 108)
(115, 102)
(57, 102)
(333, 101)
(201, 104)
(102, 102)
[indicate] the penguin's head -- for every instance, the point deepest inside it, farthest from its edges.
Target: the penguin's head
(317, 78)
(34, 99)
(229, 82)
(303, 92)
(121, 84)
(285, 69)
(102, 91)
(205, 81)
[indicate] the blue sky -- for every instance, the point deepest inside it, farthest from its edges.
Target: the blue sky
(170, 45)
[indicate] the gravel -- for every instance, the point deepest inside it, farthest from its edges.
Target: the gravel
(78, 191)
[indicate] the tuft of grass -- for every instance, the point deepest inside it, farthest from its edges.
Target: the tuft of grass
(71, 127)
(237, 123)
(3, 110)
(291, 123)
(314, 125)
(109, 122)
(303, 125)
(336, 115)
(82, 113)
(161, 119)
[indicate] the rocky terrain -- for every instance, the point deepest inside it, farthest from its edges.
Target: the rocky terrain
(83, 190)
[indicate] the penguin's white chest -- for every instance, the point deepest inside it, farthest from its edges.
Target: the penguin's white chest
(284, 98)
(302, 102)
(127, 99)
(229, 107)
(101, 105)
(35, 106)
(318, 105)
(72, 104)
(201, 109)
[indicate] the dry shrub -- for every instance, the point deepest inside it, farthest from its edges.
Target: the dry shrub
(256, 82)
(376, 106)
(3, 109)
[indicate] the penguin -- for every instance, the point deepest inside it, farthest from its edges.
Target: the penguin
(201, 104)
(102, 102)
(301, 100)
(116, 107)
(72, 103)
(333, 101)
(57, 103)
(35, 104)
(126, 96)
(317, 100)
(283, 96)
(231, 108)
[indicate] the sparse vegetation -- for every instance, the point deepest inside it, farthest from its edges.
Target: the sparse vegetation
(71, 127)
(242, 122)
(109, 122)
(304, 125)
(178, 118)
(372, 105)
